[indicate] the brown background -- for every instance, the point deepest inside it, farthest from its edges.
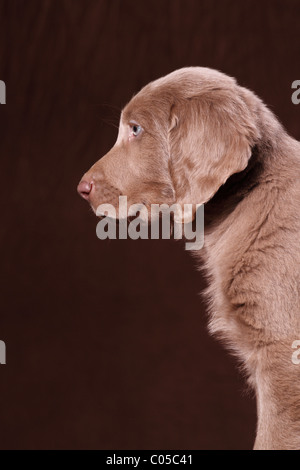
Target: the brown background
(106, 341)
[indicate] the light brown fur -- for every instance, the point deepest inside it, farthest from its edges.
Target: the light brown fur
(207, 140)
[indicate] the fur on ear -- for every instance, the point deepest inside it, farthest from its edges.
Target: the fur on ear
(210, 139)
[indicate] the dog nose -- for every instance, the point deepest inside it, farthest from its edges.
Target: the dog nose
(84, 188)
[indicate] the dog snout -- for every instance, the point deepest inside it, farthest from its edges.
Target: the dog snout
(84, 189)
(98, 191)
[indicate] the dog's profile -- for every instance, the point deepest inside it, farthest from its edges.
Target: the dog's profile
(197, 137)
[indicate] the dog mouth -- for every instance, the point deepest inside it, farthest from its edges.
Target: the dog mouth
(123, 224)
(119, 221)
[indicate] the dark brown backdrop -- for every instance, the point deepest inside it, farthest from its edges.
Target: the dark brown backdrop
(106, 341)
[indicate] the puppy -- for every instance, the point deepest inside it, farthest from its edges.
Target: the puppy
(196, 137)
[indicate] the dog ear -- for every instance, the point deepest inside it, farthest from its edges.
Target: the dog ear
(210, 139)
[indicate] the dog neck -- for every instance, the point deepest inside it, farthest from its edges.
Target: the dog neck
(234, 190)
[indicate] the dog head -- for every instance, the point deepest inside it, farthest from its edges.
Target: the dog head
(180, 138)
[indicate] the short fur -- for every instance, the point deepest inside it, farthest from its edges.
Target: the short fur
(207, 140)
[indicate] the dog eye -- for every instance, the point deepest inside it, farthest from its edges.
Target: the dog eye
(136, 129)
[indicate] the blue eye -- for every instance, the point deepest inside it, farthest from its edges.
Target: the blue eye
(136, 129)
